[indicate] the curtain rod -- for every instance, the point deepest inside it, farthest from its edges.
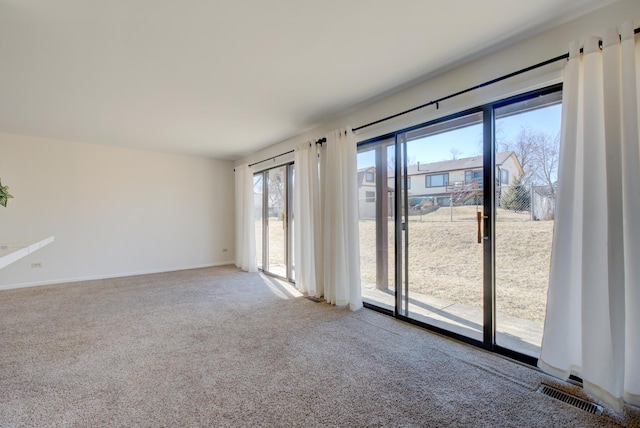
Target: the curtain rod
(320, 141)
(272, 157)
(473, 88)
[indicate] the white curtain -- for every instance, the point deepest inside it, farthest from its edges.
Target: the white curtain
(592, 326)
(245, 220)
(340, 223)
(307, 213)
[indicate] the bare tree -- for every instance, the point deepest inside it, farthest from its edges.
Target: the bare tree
(455, 153)
(545, 159)
(275, 189)
(524, 147)
(538, 154)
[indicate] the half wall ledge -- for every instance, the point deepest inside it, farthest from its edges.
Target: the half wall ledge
(14, 250)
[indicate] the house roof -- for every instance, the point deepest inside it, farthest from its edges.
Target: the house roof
(473, 162)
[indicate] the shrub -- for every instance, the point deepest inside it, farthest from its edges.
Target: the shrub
(516, 197)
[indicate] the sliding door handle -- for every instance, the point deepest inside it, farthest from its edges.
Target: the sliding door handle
(479, 215)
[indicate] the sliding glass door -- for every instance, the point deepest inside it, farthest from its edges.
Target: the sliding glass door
(273, 199)
(527, 141)
(443, 196)
(376, 202)
(276, 221)
(456, 220)
(258, 206)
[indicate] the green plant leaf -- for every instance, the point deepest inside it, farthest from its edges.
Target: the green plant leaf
(4, 195)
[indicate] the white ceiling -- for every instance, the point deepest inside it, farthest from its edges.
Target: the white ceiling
(225, 78)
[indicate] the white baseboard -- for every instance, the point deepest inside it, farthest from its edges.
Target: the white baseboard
(118, 275)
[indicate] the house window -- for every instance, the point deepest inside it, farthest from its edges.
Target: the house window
(370, 196)
(437, 180)
(477, 176)
(470, 176)
(504, 176)
(368, 177)
(408, 183)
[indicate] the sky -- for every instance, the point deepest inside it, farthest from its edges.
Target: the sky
(468, 140)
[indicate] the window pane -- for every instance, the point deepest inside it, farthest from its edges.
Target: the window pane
(292, 229)
(527, 139)
(445, 264)
(257, 203)
(504, 177)
(277, 220)
(376, 224)
(371, 197)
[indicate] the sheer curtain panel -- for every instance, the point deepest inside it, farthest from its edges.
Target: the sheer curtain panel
(308, 215)
(592, 326)
(340, 223)
(245, 223)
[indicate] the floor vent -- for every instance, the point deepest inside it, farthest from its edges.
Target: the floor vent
(314, 299)
(570, 399)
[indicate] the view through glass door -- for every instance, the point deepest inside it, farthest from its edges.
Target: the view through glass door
(527, 135)
(464, 245)
(444, 195)
(273, 202)
(376, 205)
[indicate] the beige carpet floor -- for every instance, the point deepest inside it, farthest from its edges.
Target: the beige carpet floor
(217, 347)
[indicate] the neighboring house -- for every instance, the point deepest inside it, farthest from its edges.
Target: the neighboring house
(436, 183)
(257, 204)
(367, 192)
(461, 179)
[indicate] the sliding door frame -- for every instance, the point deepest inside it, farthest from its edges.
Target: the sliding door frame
(488, 222)
(488, 237)
(288, 238)
(289, 222)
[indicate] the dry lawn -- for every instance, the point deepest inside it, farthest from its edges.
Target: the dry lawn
(445, 260)
(276, 244)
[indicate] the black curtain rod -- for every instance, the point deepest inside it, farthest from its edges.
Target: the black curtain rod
(320, 141)
(473, 88)
(272, 157)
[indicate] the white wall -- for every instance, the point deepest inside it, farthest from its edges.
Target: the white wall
(531, 51)
(113, 211)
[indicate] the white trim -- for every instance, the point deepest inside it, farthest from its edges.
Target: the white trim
(99, 277)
